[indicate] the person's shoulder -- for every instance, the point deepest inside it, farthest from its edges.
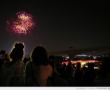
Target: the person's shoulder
(7, 64)
(28, 64)
(46, 67)
(49, 66)
(22, 63)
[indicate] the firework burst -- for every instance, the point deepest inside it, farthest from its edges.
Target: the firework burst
(23, 24)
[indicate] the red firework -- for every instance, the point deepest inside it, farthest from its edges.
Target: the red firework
(23, 23)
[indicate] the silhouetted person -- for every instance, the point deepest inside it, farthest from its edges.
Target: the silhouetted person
(63, 70)
(2, 57)
(7, 59)
(103, 79)
(26, 60)
(73, 66)
(38, 70)
(84, 68)
(3, 52)
(1, 60)
(78, 74)
(11, 73)
(69, 70)
(56, 78)
(89, 75)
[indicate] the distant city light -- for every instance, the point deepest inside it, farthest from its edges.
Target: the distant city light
(67, 57)
(82, 55)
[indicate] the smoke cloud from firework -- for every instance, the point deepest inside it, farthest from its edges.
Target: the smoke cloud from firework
(23, 24)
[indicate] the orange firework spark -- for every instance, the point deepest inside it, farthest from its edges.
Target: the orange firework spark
(23, 23)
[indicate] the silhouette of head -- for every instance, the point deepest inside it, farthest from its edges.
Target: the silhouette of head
(64, 65)
(39, 56)
(69, 63)
(17, 52)
(105, 64)
(78, 66)
(3, 52)
(69, 66)
(90, 65)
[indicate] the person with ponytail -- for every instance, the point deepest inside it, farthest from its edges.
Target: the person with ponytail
(38, 69)
(12, 73)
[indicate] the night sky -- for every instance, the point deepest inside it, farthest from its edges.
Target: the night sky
(59, 24)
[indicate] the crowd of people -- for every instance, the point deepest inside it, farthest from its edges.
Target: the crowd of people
(42, 70)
